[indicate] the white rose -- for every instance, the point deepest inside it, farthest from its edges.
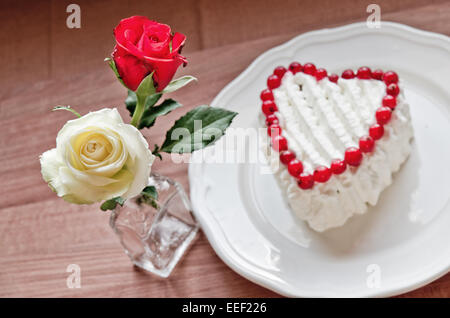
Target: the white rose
(97, 157)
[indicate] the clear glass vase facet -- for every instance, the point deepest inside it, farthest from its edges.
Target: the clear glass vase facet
(156, 233)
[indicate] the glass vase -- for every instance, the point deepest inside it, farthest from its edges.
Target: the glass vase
(156, 233)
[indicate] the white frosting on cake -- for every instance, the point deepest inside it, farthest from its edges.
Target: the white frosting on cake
(320, 120)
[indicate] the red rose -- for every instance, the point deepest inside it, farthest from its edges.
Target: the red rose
(144, 46)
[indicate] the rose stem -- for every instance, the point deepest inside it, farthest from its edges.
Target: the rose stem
(138, 111)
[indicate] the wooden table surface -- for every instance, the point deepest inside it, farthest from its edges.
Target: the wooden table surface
(40, 235)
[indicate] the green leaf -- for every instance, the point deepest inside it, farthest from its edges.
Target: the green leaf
(197, 129)
(146, 88)
(178, 83)
(112, 203)
(149, 196)
(156, 152)
(112, 65)
(151, 192)
(151, 113)
(131, 101)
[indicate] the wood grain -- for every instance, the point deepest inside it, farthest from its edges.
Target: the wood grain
(40, 235)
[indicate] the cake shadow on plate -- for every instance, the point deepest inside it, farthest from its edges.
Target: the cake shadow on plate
(380, 221)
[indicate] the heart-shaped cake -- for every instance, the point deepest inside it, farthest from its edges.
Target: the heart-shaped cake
(336, 140)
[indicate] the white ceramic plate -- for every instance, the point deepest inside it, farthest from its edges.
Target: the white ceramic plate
(402, 243)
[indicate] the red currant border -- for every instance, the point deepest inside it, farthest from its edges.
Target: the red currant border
(353, 155)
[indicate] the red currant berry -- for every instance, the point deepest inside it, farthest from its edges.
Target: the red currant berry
(322, 174)
(305, 181)
(295, 168)
(333, 78)
(321, 73)
(274, 130)
(272, 119)
(279, 143)
(266, 95)
(376, 131)
(279, 71)
(338, 166)
(309, 68)
(366, 144)
(295, 67)
(390, 77)
(383, 115)
(273, 81)
(389, 101)
(287, 156)
(269, 107)
(353, 156)
(364, 73)
(348, 74)
(377, 74)
(392, 89)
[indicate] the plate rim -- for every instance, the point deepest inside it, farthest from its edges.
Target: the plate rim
(222, 248)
